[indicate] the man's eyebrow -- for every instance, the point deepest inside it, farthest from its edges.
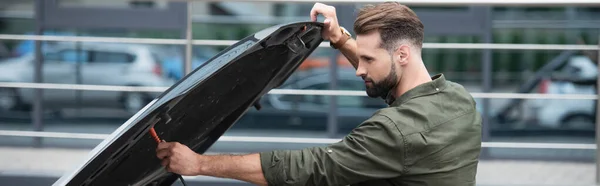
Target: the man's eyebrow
(363, 56)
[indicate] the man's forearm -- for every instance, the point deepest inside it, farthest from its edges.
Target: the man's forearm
(349, 50)
(240, 167)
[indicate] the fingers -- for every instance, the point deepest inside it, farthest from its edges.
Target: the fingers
(164, 145)
(327, 23)
(316, 10)
(165, 149)
(331, 27)
(313, 14)
(165, 162)
(325, 10)
(163, 153)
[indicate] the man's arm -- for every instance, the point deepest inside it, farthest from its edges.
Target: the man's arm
(374, 150)
(349, 50)
(332, 31)
(240, 167)
(180, 159)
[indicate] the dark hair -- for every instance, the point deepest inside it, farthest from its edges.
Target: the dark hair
(394, 21)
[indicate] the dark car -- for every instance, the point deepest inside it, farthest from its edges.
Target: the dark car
(199, 108)
(310, 112)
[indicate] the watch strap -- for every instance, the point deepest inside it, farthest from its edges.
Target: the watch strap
(345, 37)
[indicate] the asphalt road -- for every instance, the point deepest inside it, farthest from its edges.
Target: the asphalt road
(42, 180)
(42, 166)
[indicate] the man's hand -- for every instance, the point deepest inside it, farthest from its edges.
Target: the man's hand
(178, 158)
(331, 31)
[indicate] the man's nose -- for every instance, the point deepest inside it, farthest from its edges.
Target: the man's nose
(361, 71)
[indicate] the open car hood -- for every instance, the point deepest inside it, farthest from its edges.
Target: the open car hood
(199, 108)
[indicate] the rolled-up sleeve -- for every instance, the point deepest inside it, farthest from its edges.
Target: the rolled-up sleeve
(373, 150)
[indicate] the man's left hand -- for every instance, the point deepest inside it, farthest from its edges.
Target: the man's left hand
(178, 158)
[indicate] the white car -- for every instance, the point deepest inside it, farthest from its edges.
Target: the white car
(571, 113)
(96, 64)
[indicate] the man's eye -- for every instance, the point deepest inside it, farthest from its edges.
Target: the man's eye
(367, 59)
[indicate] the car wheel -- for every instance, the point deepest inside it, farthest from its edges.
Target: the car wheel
(134, 101)
(8, 99)
(579, 121)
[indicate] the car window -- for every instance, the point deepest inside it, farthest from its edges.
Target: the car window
(347, 101)
(571, 71)
(68, 56)
(292, 98)
(323, 101)
(111, 57)
(314, 99)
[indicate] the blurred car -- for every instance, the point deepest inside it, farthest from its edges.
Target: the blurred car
(25, 47)
(578, 76)
(310, 112)
(321, 58)
(172, 59)
(96, 64)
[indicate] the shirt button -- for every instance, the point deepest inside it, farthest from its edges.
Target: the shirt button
(437, 89)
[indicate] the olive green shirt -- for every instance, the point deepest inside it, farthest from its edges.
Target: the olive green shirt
(430, 135)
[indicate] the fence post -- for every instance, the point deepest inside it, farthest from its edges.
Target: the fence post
(187, 67)
(487, 80)
(598, 115)
(38, 108)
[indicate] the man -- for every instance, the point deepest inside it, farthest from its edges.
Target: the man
(429, 135)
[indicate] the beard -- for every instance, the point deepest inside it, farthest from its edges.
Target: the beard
(382, 88)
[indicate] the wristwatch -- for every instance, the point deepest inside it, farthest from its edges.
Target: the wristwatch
(345, 37)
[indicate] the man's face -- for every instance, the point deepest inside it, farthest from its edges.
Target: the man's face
(375, 65)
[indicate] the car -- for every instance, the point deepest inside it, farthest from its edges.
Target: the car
(322, 59)
(310, 112)
(578, 76)
(26, 47)
(570, 72)
(172, 59)
(89, 64)
(198, 109)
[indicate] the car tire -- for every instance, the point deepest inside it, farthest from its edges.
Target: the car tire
(134, 101)
(9, 100)
(579, 121)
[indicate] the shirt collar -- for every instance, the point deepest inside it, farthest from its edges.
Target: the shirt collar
(437, 84)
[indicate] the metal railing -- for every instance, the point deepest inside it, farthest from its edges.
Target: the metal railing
(283, 91)
(495, 46)
(289, 91)
(261, 139)
(481, 46)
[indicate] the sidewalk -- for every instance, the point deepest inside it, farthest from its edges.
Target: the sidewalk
(55, 161)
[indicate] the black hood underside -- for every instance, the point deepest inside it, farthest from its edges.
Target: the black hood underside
(200, 108)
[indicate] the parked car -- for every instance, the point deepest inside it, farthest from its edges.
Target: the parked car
(321, 58)
(90, 64)
(567, 73)
(25, 47)
(310, 112)
(578, 76)
(172, 59)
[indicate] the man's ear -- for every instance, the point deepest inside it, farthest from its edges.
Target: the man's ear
(402, 54)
